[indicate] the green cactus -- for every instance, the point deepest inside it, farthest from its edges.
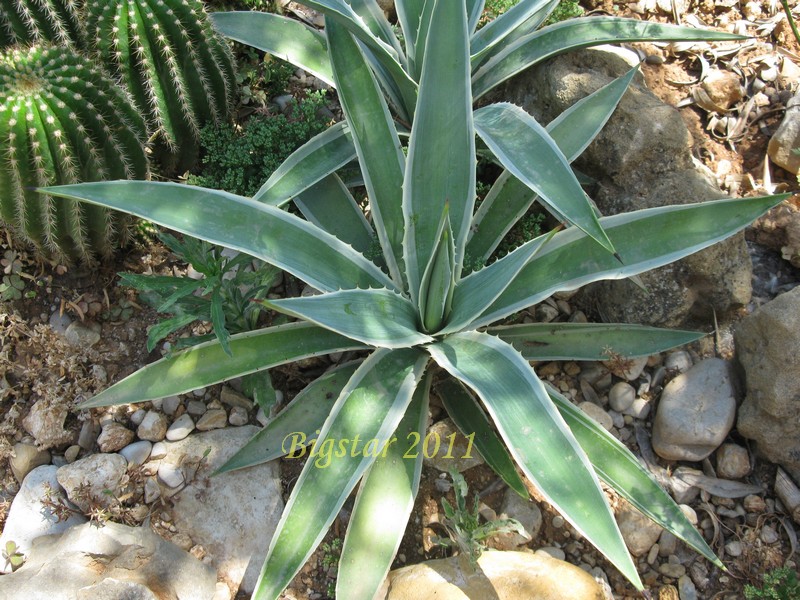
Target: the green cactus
(178, 70)
(62, 120)
(28, 22)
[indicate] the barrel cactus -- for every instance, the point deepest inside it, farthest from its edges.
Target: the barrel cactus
(62, 120)
(179, 71)
(41, 21)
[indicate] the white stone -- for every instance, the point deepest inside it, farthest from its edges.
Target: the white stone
(621, 396)
(97, 478)
(26, 458)
(598, 414)
(137, 453)
(680, 361)
(171, 475)
(153, 427)
(28, 518)
(182, 427)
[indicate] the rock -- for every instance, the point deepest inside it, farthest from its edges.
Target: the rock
(621, 396)
(71, 453)
(526, 512)
(461, 456)
(28, 518)
(137, 453)
(153, 427)
(232, 515)
(787, 138)
(182, 427)
(45, 422)
(696, 412)
(214, 418)
(138, 416)
(26, 458)
(640, 409)
(82, 336)
(171, 474)
(629, 369)
(195, 407)
(673, 571)
(59, 321)
(733, 461)
(720, 90)
(88, 435)
(640, 159)
(96, 479)
(75, 564)
(768, 535)
(170, 404)
(114, 437)
(686, 588)
(639, 532)
(159, 451)
(679, 361)
(768, 349)
(231, 397)
(598, 414)
(552, 552)
(238, 416)
(152, 491)
(500, 576)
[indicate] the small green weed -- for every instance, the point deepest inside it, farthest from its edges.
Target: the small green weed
(13, 556)
(780, 584)
(466, 534)
(241, 160)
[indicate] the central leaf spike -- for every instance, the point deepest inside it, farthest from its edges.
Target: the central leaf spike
(438, 280)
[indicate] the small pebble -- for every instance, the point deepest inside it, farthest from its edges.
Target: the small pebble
(195, 407)
(158, 451)
(552, 551)
(113, 437)
(216, 418)
(598, 414)
(686, 588)
(673, 571)
(733, 548)
(231, 397)
(652, 554)
(181, 428)
(768, 535)
(238, 416)
(71, 454)
(137, 453)
(88, 435)
(152, 491)
(558, 522)
(639, 409)
(621, 396)
(153, 427)
(171, 475)
(170, 404)
(680, 361)
(754, 504)
(138, 416)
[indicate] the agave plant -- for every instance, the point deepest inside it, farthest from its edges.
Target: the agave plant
(419, 320)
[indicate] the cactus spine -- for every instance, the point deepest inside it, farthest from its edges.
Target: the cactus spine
(179, 71)
(61, 121)
(29, 22)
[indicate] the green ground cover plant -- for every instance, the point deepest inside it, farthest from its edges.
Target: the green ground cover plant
(418, 319)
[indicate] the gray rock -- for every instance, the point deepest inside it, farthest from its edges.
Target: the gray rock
(25, 458)
(28, 518)
(768, 350)
(231, 397)
(679, 361)
(152, 491)
(215, 418)
(159, 451)
(114, 437)
(232, 515)
(182, 427)
(640, 409)
(195, 407)
(527, 513)
(553, 552)
(138, 416)
(71, 453)
(238, 416)
(733, 461)
(137, 453)
(45, 422)
(171, 474)
(170, 404)
(81, 335)
(114, 589)
(59, 321)
(461, 456)
(98, 478)
(639, 532)
(640, 159)
(66, 565)
(621, 396)
(153, 427)
(696, 412)
(686, 588)
(88, 435)
(787, 138)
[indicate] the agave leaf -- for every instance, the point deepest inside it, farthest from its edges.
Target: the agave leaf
(382, 508)
(469, 417)
(518, 20)
(207, 363)
(285, 38)
(537, 437)
(408, 15)
(369, 409)
(620, 469)
(310, 163)
(645, 239)
(257, 229)
(375, 137)
(474, 12)
(438, 281)
(329, 205)
(376, 22)
(590, 341)
(441, 155)
(526, 149)
(477, 291)
(380, 318)
(579, 33)
(385, 54)
(296, 425)
(421, 38)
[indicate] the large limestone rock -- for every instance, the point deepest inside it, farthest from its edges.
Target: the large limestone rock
(641, 159)
(768, 350)
(72, 564)
(232, 515)
(696, 412)
(499, 576)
